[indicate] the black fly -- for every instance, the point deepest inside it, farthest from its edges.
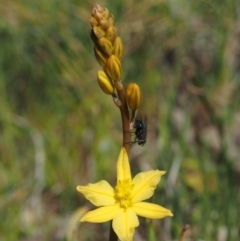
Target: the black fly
(140, 131)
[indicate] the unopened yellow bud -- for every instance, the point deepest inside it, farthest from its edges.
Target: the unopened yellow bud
(111, 21)
(101, 17)
(97, 11)
(133, 96)
(111, 34)
(105, 45)
(106, 14)
(100, 56)
(113, 68)
(118, 47)
(93, 21)
(104, 23)
(105, 83)
(99, 32)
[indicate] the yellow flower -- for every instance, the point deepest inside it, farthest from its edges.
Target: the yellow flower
(124, 203)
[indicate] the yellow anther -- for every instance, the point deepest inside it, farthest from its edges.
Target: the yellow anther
(123, 193)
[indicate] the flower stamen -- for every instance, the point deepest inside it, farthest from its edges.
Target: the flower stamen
(123, 191)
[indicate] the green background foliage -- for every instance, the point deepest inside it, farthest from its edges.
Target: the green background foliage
(58, 129)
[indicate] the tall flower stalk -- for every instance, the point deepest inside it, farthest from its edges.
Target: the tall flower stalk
(124, 202)
(108, 49)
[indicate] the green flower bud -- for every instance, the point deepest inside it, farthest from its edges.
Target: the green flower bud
(113, 68)
(133, 96)
(105, 83)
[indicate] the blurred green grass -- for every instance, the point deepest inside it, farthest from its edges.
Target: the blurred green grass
(57, 129)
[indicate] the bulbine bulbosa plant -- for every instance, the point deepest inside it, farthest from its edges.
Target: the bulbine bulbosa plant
(123, 203)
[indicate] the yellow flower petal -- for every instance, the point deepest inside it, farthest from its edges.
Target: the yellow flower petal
(99, 194)
(150, 210)
(124, 224)
(145, 184)
(101, 215)
(123, 167)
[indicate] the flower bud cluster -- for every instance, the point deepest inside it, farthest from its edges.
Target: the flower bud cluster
(108, 48)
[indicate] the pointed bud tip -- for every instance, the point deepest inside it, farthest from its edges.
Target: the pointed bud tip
(133, 96)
